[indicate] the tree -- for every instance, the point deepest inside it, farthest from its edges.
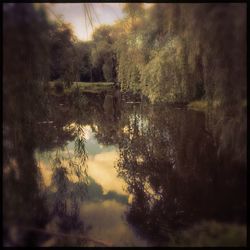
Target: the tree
(63, 60)
(103, 55)
(83, 52)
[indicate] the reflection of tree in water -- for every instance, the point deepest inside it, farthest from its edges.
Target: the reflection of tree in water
(22, 203)
(176, 178)
(60, 210)
(104, 123)
(25, 205)
(30, 122)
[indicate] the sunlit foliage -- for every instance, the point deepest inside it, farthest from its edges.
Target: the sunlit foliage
(188, 51)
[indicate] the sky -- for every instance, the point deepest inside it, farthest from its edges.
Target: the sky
(73, 13)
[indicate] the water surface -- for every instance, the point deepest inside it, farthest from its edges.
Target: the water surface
(133, 177)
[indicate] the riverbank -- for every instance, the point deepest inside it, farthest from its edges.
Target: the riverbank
(202, 105)
(57, 88)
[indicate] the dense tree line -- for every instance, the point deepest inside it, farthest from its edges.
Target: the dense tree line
(182, 52)
(168, 52)
(91, 61)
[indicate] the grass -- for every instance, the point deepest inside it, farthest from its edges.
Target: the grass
(202, 105)
(84, 87)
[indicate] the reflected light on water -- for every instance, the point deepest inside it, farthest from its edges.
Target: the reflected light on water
(109, 214)
(101, 168)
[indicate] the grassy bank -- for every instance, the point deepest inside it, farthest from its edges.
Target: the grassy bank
(58, 88)
(202, 105)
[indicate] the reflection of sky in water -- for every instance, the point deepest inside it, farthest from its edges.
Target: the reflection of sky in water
(107, 219)
(106, 202)
(92, 146)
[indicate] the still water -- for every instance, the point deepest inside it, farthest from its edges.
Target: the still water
(91, 176)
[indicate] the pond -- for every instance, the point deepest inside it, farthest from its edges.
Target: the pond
(91, 176)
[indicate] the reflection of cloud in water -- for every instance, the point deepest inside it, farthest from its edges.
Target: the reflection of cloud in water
(46, 173)
(101, 169)
(107, 223)
(91, 144)
(95, 193)
(88, 132)
(104, 205)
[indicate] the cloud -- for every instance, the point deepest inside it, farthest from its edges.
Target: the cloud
(46, 173)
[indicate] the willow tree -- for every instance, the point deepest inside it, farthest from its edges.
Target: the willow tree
(184, 52)
(129, 47)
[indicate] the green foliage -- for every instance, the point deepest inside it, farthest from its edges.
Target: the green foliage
(83, 50)
(102, 53)
(63, 54)
(160, 82)
(168, 52)
(128, 75)
(184, 52)
(25, 63)
(133, 9)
